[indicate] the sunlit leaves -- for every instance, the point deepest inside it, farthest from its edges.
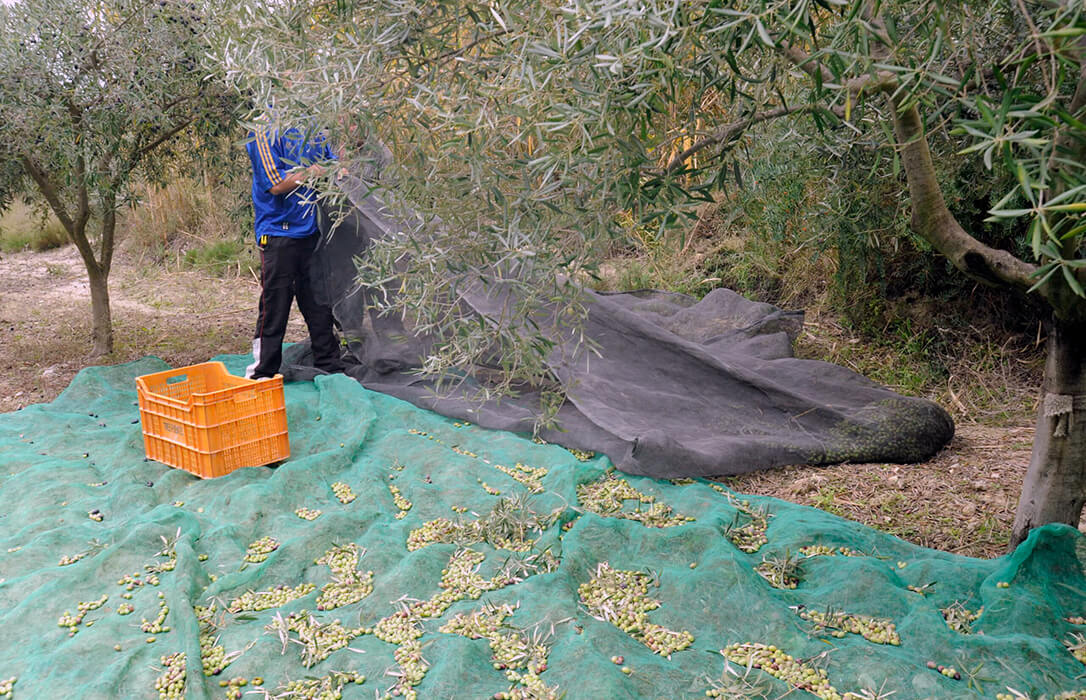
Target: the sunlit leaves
(105, 84)
(519, 129)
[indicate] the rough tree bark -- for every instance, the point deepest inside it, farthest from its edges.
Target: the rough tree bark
(1054, 489)
(76, 226)
(102, 332)
(98, 276)
(1055, 485)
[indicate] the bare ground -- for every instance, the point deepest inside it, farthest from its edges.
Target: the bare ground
(181, 315)
(961, 501)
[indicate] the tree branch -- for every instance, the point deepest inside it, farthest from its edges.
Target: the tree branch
(109, 227)
(82, 212)
(443, 58)
(91, 61)
(803, 60)
(180, 100)
(78, 234)
(882, 81)
(163, 138)
(49, 191)
(729, 132)
(932, 220)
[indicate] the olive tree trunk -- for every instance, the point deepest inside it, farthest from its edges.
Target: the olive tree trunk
(1055, 485)
(76, 225)
(98, 268)
(98, 279)
(102, 321)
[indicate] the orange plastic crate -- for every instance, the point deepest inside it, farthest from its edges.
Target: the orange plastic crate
(206, 421)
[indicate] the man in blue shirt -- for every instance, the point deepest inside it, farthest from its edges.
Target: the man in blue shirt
(286, 233)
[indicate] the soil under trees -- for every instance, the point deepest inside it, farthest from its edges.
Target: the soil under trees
(962, 501)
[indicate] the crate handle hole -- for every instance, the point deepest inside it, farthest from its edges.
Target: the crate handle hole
(178, 379)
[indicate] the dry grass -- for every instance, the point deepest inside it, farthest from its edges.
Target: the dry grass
(978, 376)
(183, 316)
(23, 228)
(961, 501)
(187, 224)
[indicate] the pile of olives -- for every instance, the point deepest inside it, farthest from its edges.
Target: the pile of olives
(234, 686)
(72, 558)
(329, 687)
(171, 684)
(751, 535)
(529, 686)
(434, 531)
(480, 624)
(776, 575)
(348, 584)
(343, 492)
(319, 639)
(274, 598)
(959, 618)
(72, 622)
(413, 669)
(258, 551)
(821, 550)
(873, 629)
(156, 626)
(212, 655)
(607, 496)
(532, 477)
(780, 665)
(402, 503)
(621, 598)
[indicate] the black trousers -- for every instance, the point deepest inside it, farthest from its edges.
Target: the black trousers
(285, 276)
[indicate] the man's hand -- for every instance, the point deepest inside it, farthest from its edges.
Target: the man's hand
(297, 178)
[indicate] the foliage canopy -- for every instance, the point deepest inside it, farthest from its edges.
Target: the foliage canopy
(520, 130)
(94, 96)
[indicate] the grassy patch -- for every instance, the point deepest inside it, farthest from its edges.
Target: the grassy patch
(219, 257)
(826, 499)
(22, 228)
(900, 359)
(192, 224)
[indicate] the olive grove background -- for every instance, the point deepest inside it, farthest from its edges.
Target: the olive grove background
(523, 132)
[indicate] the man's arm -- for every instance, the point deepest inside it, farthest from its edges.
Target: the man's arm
(291, 182)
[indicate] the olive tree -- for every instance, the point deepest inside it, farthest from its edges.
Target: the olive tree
(520, 129)
(94, 95)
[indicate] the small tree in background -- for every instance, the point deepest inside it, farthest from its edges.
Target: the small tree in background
(93, 96)
(530, 125)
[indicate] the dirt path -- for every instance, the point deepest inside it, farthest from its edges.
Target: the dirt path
(182, 316)
(962, 501)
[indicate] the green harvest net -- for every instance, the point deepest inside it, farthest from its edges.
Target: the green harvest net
(477, 564)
